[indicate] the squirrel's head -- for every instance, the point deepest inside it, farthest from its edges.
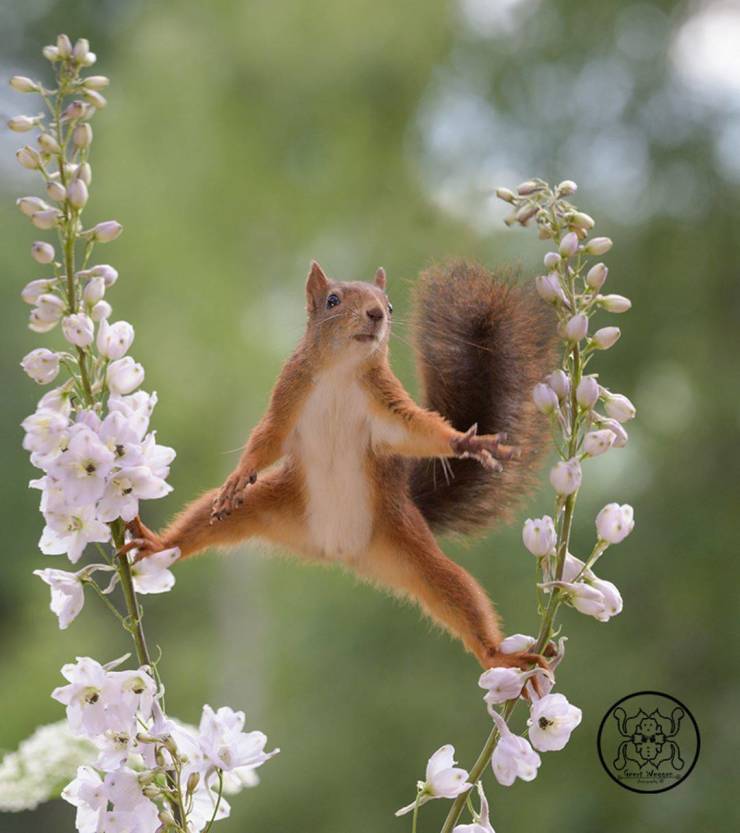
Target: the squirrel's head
(351, 318)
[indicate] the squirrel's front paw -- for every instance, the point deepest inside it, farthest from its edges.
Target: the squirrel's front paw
(231, 495)
(487, 449)
(525, 661)
(143, 540)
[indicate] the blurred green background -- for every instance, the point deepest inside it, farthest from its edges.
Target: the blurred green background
(243, 139)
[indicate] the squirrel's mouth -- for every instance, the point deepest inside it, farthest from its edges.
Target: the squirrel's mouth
(365, 337)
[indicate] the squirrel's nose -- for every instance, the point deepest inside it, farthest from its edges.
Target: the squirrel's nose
(375, 314)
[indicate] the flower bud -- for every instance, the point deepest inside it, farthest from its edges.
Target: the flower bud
(106, 231)
(97, 100)
(587, 392)
(615, 303)
(567, 187)
(35, 289)
(49, 307)
(38, 324)
(124, 376)
(545, 398)
(622, 437)
(21, 84)
(96, 82)
(28, 158)
(78, 329)
(516, 643)
(166, 818)
(49, 144)
(576, 328)
(569, 244)
(614, 523)
(46, 219)
(82, 135)
(30, 205)
(559, 381)
(596, 276)
(41, 365)
(598, 246)
(582, 221)
(619, 407)
(89, 59)
(56, 190)
(22, 124)
(539, 535)
(77, 195)
(193, 781)
(84, 173)
(76, 110)
(101, 311)
(64, 46)
(605, 338)
(573, 569)
(114, 340)
(505, 194)
(42, 252)
(502, 684)
(525, 213)
(598, 442)
(549, 289)
(612, 599)
(565, 476)
(529, 187)
(108, 273)
(93, 292)
(81, 49)
(51, 53)
(551, 260)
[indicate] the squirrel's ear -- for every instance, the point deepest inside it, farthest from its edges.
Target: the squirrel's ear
(316, 285)
(380, 277)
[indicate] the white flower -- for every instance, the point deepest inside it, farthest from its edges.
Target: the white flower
(605, 337)
(587, 392)
(136, 408)
(114, 340)
(615, 303)
(67, 594)
(124, 376)
(614, 522)
(77, 194)
(539, 535)
(157, 457)
(612, 598)
(33, 290)
(576, 327)
(573, 568)
(58, 399)
(71, 531)
(551, 721)
(84, 697)
(549, 289)
(545, 398)
(42, 252)
(106, 231)
(132, 812)
(596, 276)
(84, 466)
(598, 442)
(78, 329)
(44, 430)
(129, 693)
(598, 246)
(124, 490)
(587, 597)
(443, 779)
(122, 439)
(516, 643)
(565, 476)
(101, 311)
(41, 365)
(152, 575)
(513, 756)
(569, 244)
(619, 407)
(612, 425)
(94, 290)
(49, 308)
(559, 381)
(503, 684)
(482, 823)
(223, 743)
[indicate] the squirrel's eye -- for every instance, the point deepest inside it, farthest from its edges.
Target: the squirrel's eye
(332, 300)
(390, 309)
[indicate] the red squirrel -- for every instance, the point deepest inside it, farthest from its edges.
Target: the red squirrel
(341, 468)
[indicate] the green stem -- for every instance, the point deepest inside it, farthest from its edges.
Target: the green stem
(129, 594)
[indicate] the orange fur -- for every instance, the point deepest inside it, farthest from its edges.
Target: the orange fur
(346, 345)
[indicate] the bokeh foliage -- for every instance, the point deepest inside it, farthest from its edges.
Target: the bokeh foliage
(243, 139)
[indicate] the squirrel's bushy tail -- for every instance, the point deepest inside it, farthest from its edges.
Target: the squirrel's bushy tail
(482, 342)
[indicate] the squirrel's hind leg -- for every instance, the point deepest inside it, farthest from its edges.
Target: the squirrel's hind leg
(404, 557)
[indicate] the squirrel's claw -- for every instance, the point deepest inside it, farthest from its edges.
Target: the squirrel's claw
(487, 449)
(523, 660)
(231, 495)
(143, 540)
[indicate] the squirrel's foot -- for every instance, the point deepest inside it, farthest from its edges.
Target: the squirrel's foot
(231, 496)
(143, 540)
(487, 449)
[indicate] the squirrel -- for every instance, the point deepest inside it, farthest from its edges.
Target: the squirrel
(342, 469)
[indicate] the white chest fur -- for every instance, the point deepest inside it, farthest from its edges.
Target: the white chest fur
(332, 439)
